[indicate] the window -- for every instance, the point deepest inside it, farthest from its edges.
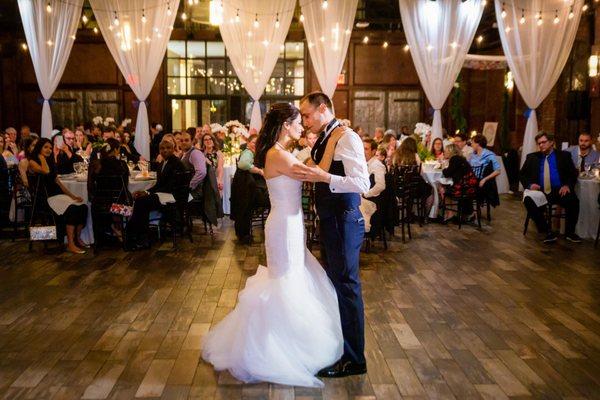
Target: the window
(201, 82)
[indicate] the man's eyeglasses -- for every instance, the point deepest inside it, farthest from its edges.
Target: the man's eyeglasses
(542, 142)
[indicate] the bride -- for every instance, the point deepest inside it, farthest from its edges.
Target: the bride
(286, 325)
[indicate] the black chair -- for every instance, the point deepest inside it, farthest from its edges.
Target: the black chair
(41, 213)
(21, 198)
(456, 200)
(311, 220)
(176, 214)
(551, 212)
(481, 172)
(108, 190)
(404, 186)
(597, 233)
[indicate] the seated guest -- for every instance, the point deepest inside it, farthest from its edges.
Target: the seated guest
(25, 132)
(200, 132)
(308, 140)
(108, 132)
(7, 155)
(82, 144)
(147, 201)
(552, 173)
(12, 141)
(437, 149)
(460, 140)
(195, 161)
(64, 155)
(214, 157)
(376, 169)
(248, 191)
(482, 157)
(379, 135)
(403, 133)
(176, 150)
(463, 179)
(41, 165)
(583, 155)
(128, 150)
(407, 154)
(381, 155)
(28, 146)
(108, 165)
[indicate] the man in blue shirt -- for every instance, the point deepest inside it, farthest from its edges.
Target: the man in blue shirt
(553, 173)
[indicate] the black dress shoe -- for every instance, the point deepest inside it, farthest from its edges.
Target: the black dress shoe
(341, 369)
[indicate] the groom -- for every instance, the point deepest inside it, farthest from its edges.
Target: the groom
(341, 177)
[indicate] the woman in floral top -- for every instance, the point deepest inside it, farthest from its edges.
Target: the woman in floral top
(214, 157)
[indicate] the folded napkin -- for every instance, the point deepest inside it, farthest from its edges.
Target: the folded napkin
(165, 198)
(538, 197)
(60, 203)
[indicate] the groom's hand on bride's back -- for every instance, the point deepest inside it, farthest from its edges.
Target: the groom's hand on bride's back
(310, 174)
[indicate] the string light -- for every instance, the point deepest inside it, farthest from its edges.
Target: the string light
(522, 20)
(324, 4)
(571, 14)
(406, 48)
(116, 19)
(454, 45)
(540, 21)
(385, 45)
(49, 8)
(507, 29)
(183, 16)
(479, 39)
(556, 19)
(24, 46)
(484, 3)
(429, 47)
(256, 24)
(237, 15)
(277, 22)
(95, 30)
(503, 14)
(169, 12)
(49, 43)
(84, 19)
(301, 17)
(365, 40)
(584, 8)
(144, 16)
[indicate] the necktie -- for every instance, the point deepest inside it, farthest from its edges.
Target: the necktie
(582, 165)
(547, 182)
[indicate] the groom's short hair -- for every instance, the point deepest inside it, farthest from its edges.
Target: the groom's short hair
(317, 98)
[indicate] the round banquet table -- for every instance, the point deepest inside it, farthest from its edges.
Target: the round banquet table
(79, 188)
(228, 172)
(587, 190)
(433, 177)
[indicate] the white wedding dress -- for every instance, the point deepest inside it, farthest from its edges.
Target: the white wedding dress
(286, 325)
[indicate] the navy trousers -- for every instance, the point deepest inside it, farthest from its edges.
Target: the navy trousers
(341, 236)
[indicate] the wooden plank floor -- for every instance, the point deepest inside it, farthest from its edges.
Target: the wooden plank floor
(452, 314)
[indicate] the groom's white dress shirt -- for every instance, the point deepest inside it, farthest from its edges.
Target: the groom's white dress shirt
(349, 150)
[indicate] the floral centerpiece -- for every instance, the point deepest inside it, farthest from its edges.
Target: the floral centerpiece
(235, 134)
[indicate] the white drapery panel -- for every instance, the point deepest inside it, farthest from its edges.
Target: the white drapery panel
(50, 34)
(253, 38)
(536, 52)
(328, 34)
(439, 34)
(138, 48)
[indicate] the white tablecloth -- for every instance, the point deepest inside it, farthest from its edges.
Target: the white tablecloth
(228, 172)
(79, 188)
(587, 225)
(502, 179)
(433, 176)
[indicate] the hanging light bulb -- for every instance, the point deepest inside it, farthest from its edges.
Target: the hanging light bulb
(406, 48)
(95, 30)
(479, 39)
(429, 47)
(144, 19)
(522, 20)
(556, 19)
(584, 8)
(237, 15)
(454, 45)
(24, 46)
(503, 14)
(256, 24)
(277, 22)
(483, 3)
(191, 2)
(366, 39)
(324, 4)
(215, 13)
(385, 45)
(540, 21)
(507, 29)
(84, 19)
(116, 19)
(183, 16)
(169, 12)
(571, 14)
(49, 43)
(49, 8)
(301, 17)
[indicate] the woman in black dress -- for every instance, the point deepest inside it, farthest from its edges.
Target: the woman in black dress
(41, 164)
